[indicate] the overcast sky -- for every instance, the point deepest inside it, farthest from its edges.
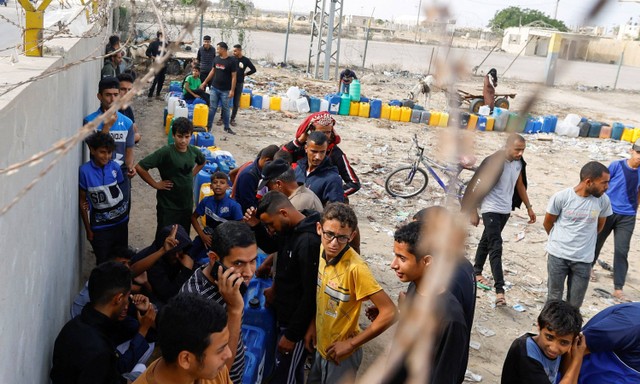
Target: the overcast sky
(468, 12)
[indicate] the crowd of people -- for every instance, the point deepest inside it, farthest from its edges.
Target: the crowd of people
(185, 295)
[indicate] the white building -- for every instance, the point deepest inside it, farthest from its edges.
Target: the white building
(629, 31)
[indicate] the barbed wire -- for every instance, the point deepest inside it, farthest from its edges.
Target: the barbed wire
(62, 147)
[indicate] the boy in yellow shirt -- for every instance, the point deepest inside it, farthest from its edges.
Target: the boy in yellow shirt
(344, 283)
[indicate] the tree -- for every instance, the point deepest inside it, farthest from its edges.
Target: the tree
(515, 17)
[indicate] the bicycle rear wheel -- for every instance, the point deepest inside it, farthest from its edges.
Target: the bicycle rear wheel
(406, 181)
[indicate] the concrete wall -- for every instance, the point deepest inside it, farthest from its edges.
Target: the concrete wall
(40, 236)
(609, 50)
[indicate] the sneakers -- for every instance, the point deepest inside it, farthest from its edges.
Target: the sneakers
(229, 131)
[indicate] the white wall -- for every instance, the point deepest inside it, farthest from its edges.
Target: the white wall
(39, 237)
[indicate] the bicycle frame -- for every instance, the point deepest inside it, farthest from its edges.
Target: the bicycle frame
(430, 164)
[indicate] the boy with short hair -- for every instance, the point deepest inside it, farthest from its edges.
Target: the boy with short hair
(541, 358)
(194, 340)
(216, 209)
(106, 222)
(191, 86)
(177, 163)
(344, 283)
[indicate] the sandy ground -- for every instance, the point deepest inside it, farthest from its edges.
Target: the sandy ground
(375, 147)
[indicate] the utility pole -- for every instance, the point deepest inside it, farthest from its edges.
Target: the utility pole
(286, 41)
(418, 20)
(366, 41)
(555, 14)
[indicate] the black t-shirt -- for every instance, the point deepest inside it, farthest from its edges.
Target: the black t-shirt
(224, 68)
(244, 63)
(129, 113)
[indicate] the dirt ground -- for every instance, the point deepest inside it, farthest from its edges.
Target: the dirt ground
(375, 147)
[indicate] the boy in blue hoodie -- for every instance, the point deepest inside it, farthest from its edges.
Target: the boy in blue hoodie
(106, 220)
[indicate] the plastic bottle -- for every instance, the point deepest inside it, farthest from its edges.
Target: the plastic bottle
(171, 104)
(200, 115)
(181, 109)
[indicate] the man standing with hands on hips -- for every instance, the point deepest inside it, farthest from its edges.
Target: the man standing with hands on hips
(223, 83)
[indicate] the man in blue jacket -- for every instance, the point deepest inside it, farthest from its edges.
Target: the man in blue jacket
(246, 183)
(317, 173)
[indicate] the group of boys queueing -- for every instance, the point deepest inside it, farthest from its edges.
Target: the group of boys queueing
(320, 281)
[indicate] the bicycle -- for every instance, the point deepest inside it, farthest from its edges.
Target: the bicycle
(411, 180)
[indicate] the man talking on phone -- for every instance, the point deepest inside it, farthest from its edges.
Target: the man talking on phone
(232, 264)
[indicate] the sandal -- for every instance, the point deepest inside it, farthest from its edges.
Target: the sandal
(501, 301)
(480, 279)
(593, 276)
(621, 298)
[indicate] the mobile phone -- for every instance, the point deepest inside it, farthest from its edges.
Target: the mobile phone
(214, 274)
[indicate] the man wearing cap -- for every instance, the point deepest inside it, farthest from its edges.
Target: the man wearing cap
(278, 176)
(205, 57)
(624, 187)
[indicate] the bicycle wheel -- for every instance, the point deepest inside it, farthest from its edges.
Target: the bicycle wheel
(406, 181)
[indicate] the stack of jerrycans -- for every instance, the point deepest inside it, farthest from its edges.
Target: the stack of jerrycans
(258, 330)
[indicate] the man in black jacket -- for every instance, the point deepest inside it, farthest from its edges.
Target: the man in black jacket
(157, 48)
(83, 351)
(243, 63)
(498, 187)
(293, 235)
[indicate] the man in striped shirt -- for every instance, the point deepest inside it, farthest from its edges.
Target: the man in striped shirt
(232, 262)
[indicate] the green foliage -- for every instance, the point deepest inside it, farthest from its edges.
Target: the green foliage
(516, 16)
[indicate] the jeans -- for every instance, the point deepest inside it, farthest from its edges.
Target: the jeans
(236, 100)
(223, 97)
(491, 245)
(577, 275)
(158, 81)
(622, 227)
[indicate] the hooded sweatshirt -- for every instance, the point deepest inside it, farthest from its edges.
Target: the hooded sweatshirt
(296, 273)
(324, 181)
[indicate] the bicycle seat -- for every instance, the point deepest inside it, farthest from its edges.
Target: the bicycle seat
(467, 161)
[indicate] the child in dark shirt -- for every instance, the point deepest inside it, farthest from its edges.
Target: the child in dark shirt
(216, 210)
(556, 351)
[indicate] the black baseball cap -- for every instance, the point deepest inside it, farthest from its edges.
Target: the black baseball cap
(272, 170)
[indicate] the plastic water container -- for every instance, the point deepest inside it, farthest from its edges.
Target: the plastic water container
(584, 126)
(415, 116)
(572, 119)
(529, 125)
(444, 119)
(484, 110)
(302, 105)
(334, 104)
(256, 101)
(247, 90)
(464, 120)
(434, 119)
(395, 103)
(502, 118)
(636, 135)
(190, 108)
(394, 114)
(194, 139)
(375, 109)
(616, 130)
(266, 102)
(354, 90)
(405, 114)
(385, 111)
(254, 343)
(171, 104)
(516, 123)
(284, 104)
(167, 123)
(482, 123)
(345, 104)
(549, 123)
(314, 104)
(206, 139)
(293, 93)
(354, 108)
(364, 110)
(473, 122)
(181, 109)
(627, 135)
(275, 103)
(605, 132)
(200, 115)
(245, 100)
(490, 123)
(424, 117)
(324, 105)
(595, 129)
(256, 314)
(175, 86)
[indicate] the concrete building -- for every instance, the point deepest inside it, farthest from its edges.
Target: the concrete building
(533, 41)
(629, 30)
